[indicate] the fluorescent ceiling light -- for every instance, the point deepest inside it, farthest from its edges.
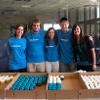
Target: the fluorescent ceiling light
(93, 0)
(26, 6)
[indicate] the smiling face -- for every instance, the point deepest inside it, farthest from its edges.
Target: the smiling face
(77, 31)
(64, 25)
(51, 33)
(19, 31)
(36, 26)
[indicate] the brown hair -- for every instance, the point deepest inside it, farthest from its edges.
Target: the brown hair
(36, 20)
(17, 26)
(55, 36)
(74, 37)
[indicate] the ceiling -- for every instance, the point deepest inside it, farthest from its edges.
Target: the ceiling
(39, 8)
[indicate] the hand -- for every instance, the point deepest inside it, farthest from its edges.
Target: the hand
(94, 67)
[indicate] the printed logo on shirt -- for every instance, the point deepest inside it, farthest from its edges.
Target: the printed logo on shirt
(49, 46)
(65, 40)
(16, 46)
(32, 40)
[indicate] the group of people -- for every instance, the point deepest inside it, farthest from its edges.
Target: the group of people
(63, 50)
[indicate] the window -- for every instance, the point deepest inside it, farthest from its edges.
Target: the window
(56, 26)
(87, 13)
(97, 12)
(87, 29)
(81, 14)
(92, 28)
(48, 25)
(92, 12)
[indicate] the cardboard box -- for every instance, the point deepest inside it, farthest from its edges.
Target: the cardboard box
(2, 94)
(73, 87)
(38, 93)
(70, 87)
(3, 85)
(89, 93)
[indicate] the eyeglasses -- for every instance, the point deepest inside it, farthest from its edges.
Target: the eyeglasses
(52, 32)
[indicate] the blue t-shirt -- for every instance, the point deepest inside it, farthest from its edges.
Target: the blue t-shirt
(51, 51)
(65, 45)
(35, 47)
(17, 53)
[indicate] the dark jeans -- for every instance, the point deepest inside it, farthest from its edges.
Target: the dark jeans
(20, 70)
(86, 68)
(67, 67)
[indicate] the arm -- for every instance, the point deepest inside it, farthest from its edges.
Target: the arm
(92, 52)
(93, 58)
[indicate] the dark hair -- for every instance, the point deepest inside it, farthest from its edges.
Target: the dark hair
(63, 19)
(74, 40)
(55, 37)
(36, 20)
(17, 26)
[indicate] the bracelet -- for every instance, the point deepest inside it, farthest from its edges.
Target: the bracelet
(94, 65)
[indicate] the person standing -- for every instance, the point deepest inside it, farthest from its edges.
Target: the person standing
(66, 48)
(35, 48)
(51, 51)
(17, 50)
(84, 50)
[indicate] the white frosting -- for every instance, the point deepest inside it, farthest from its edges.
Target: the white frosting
(5, 78)
(91, 81)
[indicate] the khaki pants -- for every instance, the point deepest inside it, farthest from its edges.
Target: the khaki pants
(52, 66)
(36, 67)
